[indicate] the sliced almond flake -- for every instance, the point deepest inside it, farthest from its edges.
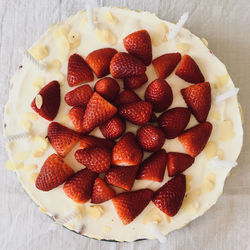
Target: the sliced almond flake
(95, 211)
(38, 82)
(106, 36)
(39, 101)
(183, 47)
(223, 163)
(154, 230)
(55, 65)
(152, 216)
(20, 165)
(226, 95)
(28, 168)
(38, 153)
(22, 156)
(26, 124)
(32, 177)
(10, 165)
(159, 35)
(109, 17)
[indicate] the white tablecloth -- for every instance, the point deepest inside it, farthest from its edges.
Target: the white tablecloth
(226, 26)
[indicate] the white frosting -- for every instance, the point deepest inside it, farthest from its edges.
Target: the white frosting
(55, 202)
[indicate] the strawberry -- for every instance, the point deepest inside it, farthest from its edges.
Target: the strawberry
(89, 141)
(79, 71)
(79, 187)
(76, 116)
(195, 138)
(53, 173)
(135, 82)
(169, 197)
(122, 176)
(165, 64)
(98, 111)
(189, 71)
(50, 101)
(79, 96)
(174, 121)
(178, 162)
(138, 113)
(97, 159)
(124, 65)
(129, 205)
(113, 128)
(126, 152)
(153, 168)
(198, 99)
(159, 93)
(99, 61)
(101, 191)
(107, 88)
(150, 138)
(61, 138)
(139, 45)
(125, 97)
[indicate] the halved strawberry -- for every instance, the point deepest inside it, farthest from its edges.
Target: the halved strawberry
(169, 197)
(98, 111)
(160, 94)
(108, 88)
(195, 138)
(79, 96)
(53, 173)
(79, 187)
(101, 191)
(79, 71)
(122, 176)
(174, 121)
(150, 138)
(178, 162)
(113, 128)
(165, 64)
(50, 101)
(198, 99)
(153, 168)
(76, 116)
(129, 205)
(127, 152)
(124, 65)
(99, 61)
(189, 71)
(89, 141)
(97, 159)
(135, 82)
(139, 45)
(61, 138)
(138, 113)
(125, 97)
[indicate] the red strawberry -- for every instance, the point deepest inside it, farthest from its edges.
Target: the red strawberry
(129, 205)
(79, 187)
(138, 113)
(189, 71)
(101, 191)
(198, 99)
(98, 111)
(79, 96)
(124, 65)
(107, 88)
(126, 152)
(78, 71)
(53, 173)
(153, 168)
(122, 176)
(159, 93)
(135, 82)
(169, 197)
(50, 101)
(97, 159)
(165, 64)
(61, 138)
(125, 97)
(178, 162)
(99, 61)
(139, 45)
(76, 116)
(113, 128)
(195, 138)
(89, 141)
(173, 121)
(150, 138)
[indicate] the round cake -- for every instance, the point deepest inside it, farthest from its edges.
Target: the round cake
(121, 126)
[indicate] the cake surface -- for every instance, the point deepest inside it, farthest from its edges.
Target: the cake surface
(205, 180)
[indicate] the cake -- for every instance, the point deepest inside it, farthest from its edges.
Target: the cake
(167, 108)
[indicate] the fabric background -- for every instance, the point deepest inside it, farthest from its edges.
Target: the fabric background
(226, 26)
